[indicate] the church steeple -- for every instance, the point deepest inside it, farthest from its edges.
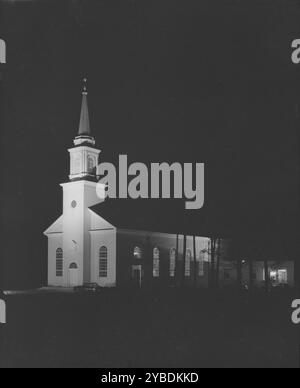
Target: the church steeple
(84, 124)
(84, 156)
(84, 132)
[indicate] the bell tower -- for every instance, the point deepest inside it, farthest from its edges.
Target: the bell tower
(84, 156)
(79, 194)
(70, 261)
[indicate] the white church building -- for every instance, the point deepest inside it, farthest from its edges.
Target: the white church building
(84, 246)
(93, 242)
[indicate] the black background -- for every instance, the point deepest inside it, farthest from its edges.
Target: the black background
(187, 81)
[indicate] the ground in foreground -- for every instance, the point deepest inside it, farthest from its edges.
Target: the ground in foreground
(171, 328)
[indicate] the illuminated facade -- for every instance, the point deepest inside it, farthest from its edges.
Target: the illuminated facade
(85, 247)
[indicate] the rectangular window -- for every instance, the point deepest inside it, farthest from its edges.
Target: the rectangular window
(282, 276)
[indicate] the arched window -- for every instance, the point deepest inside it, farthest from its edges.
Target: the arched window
(103, 262)
(77, 164)
(156, 254)
(172, 262)
(91, 164)
(188, 258)
(137, 253)
(59, 262)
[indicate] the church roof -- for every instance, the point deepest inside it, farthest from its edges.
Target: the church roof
(164, 216)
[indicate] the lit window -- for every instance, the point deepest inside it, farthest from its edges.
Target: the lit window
(172, 262)
(59, 262)
(137, 253)
(188, 257)
(103, 264)
(282, 276)
(156, 262)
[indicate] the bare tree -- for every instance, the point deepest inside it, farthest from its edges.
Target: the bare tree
(195, 261)
(176, 259)
(239, 273)
(213, 261)
(250, 262)
(267, 278)
(183, 261)
(218, 257)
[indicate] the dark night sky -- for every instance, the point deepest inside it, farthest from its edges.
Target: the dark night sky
(187, 81)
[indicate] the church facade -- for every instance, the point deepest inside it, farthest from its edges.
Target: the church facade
(86, 246)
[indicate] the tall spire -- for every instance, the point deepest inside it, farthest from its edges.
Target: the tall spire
(84, 156)
(84, 124)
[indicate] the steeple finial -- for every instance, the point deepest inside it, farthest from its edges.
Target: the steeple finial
(84, 124)
(84, 91)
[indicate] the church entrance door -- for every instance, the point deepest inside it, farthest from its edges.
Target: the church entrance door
(136, 275)
(73, 275)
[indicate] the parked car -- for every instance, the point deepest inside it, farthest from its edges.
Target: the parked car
(88, 287)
